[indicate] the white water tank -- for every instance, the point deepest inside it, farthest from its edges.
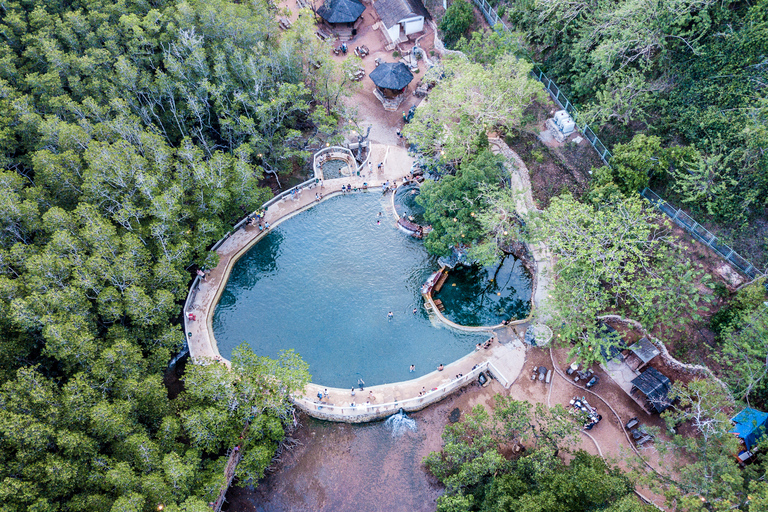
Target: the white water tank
(564, 122)
(560, 115)
(567, 126)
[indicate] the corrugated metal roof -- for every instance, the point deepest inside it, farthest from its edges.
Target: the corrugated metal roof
(655, 386)
(392, 12)
(645, 350)
(614, 343)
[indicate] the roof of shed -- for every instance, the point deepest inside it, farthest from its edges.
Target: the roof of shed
(655, 386)
(750, 425)
(645, 350)
(392, 12)
(391, 75)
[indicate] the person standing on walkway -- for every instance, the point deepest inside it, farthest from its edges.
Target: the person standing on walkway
(370, 167)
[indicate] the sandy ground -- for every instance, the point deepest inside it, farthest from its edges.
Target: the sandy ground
(343, 467)
(368, 109)
(363, 105)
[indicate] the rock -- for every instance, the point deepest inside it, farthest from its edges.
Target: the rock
(455, 415)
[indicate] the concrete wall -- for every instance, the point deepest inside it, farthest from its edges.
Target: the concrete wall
(413, 25)
(393, 32)
(362, 413)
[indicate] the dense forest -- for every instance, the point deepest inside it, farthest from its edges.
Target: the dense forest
(133, 134)
(614, 254)
(678, 89)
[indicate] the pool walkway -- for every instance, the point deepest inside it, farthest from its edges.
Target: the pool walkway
(520, 181)
(504, 360)
(202, 344)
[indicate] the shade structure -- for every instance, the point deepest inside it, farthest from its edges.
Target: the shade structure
(341, 11)
(655, 386)
(750, 425)
(391, 75)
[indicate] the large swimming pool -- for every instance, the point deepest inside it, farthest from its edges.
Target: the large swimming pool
(322, 283)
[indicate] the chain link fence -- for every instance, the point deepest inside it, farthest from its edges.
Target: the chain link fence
(554, 91)
(678, 216)
(703, 235)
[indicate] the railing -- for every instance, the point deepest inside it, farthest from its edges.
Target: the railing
(336, 151)
(677, 215)
(307, 184)
(554, 91)
(703, 235)
(365, 412)
(491, 17)
(196, 282)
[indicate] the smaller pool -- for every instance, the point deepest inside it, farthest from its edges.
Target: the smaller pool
(335, 168)
(475, 295)
(406, 205)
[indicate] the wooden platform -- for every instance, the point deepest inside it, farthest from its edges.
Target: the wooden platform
(440, 282)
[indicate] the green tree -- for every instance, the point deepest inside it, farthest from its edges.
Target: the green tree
(252, 400)
(453, 203)
(704, 475)
(457, 21)
(471, 101)
(618, 256)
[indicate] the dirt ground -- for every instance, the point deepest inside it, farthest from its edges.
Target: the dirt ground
(554, 168)
(340, 467)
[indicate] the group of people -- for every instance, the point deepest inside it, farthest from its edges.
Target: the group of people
(256, 220)
(350, 188)
(485, 345)
(386, 187)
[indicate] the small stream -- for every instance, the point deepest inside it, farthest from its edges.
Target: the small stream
(352, 468)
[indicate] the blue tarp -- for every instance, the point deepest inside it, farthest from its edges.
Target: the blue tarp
(750, 425)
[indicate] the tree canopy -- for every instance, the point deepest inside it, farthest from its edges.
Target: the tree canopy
(133, 136)
(614, 257)
(478, 477)
(470, 101)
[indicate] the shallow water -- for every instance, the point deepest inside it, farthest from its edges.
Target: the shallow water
(322, 282)
(406, 205)
(333, 168)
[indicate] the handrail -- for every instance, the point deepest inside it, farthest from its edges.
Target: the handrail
(495, 21)
(409, 404)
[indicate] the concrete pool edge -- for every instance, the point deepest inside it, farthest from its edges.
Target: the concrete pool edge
(233, 259)
(504, 360)
(501, 359)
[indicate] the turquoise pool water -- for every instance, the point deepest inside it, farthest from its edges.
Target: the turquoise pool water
(332, 169)
(322, 283)
(475, 295)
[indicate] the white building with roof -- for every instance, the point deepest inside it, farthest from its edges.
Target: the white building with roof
(400, 18)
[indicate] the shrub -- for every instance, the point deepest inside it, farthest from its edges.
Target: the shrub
(456, 21)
